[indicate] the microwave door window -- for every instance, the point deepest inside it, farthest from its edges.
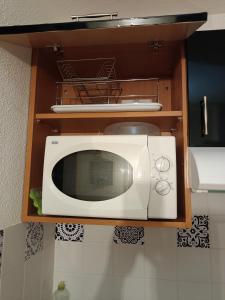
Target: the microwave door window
(93, 175)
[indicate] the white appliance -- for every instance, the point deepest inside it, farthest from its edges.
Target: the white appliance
(110, 176)
(207, 169)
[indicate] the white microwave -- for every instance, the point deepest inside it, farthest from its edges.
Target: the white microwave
(110, 176)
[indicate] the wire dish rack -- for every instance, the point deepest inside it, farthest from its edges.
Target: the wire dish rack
(108, 92)
(93, 69)
(93, 82)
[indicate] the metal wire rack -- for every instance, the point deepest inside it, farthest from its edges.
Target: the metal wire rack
(93, 69)
(108, 92)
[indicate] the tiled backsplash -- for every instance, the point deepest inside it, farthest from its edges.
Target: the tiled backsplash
(196, 236)
(103, 262)
(118, 263)
(27, 262)
(69, 232)
(34, 239)
(128, 235)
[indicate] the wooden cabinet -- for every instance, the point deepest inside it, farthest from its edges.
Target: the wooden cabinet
(143, 48)
(206, 77)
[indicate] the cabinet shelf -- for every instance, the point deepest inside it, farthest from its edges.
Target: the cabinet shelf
(94, 122)
(105, 115)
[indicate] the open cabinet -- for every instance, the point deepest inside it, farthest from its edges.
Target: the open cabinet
(146, 49)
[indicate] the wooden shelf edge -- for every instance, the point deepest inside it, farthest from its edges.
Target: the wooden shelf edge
(107, 222)
(83, 115)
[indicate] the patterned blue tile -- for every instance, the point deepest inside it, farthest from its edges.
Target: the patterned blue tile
(69, 232)
(128, 235)
(197, 236)
(34, 239)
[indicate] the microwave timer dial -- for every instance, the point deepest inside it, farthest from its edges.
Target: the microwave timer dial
(162, 187)
(162, 164)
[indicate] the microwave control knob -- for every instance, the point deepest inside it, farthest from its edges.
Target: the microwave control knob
(162, 164)
(162, 187)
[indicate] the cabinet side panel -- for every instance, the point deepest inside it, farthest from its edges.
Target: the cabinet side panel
(179, 100)
(187, 192)
(30, 128)
(47, 76)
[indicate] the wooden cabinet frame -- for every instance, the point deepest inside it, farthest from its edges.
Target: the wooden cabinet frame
(132, 43)
(42, 124)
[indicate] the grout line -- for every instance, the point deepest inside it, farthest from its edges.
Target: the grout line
(210, 258)
(177, 285)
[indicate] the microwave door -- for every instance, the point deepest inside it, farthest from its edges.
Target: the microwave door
(100, 183)
(93, 175)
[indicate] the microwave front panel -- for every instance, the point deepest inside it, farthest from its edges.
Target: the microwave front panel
(163, 195)
(96, 176)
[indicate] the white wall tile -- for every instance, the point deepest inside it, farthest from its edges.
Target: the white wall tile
(49, 234)
(47, 272)
(133, 289)
(160, 263)
(128, 260)
(101, 234)
(216, 202)
(126, 288)
(217, 232)
(218, 291)
(161, 237)
(74, 284)
(193, 264)
(12, 284)
(14, 247)
(194, 291)
(97, 258)
(69, 257)
(98, 287)
(218, 265)
(199, 203)
(157, 289)
(32, 277)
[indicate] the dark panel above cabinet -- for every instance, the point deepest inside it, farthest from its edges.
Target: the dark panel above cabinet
(206, 77)
(116, 31)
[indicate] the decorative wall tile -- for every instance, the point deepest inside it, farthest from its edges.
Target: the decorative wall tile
(197, 236)
(69, 232)
(128, 235)
(34, 239)
(1, 248)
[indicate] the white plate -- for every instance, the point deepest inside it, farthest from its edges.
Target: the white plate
(125, 101)
(107, 107)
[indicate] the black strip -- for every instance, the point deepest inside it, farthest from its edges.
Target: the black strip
(198, 17)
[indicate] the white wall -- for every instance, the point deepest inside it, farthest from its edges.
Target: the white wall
(215, 22)
(14, 93)
(31, 11)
